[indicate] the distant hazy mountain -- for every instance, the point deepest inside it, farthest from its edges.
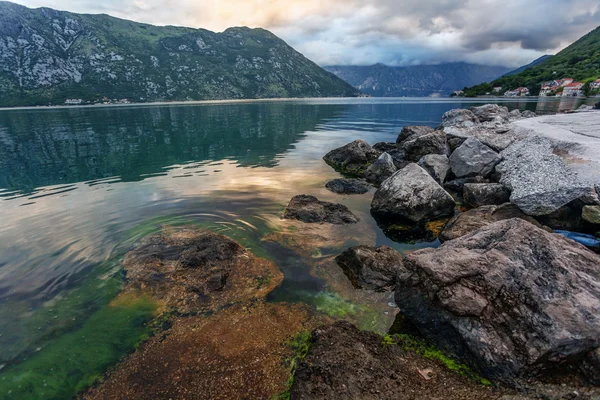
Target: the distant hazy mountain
(532, 64)
(424, 80)
(47, 56)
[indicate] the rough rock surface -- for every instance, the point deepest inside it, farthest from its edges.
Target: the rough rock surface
(528, 114)
(418, 141)
(372, 268)
(385, 146)
(437, 165)
(472, 220)
(411, 194)
(511, 299)
(459, 117)
(191, 271)
(347, 186)
(496, 138)
(485, 194)
(353, 158)
(457, 185)
(493, 113)
(310, 209)
(515, 115)
(591, 214)
(381, 169)
(539, 181)
(473, 158)
(345, 363)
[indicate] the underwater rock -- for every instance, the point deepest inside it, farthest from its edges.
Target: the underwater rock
(372, 268)
(353, 158)
(347, 186)
(510, 299)
(309, 209)
(346, 363)
(192, 271)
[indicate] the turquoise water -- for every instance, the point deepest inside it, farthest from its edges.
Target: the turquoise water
(78, 187)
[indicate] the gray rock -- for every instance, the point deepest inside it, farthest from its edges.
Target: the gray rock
(515, 115)
(497, 139)
(492, 113)
(411, 194)
(510, 299)
(528, 114)
(385, 146)
(347, 186)
(473, 158)
(437, 165)
(591, 214)
(372, 268)
(353, 158)
(418, 141)
(309, 209)
(381, 169)
(459, 118)
(457, 186)
(539, 181)
(477, 218)
(485, 194)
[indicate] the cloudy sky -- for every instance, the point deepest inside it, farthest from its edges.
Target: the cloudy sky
(393, 32)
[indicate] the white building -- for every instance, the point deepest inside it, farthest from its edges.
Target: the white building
(73, 102)
(573, 90)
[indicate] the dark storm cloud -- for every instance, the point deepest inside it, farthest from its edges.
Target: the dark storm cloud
(400, 32)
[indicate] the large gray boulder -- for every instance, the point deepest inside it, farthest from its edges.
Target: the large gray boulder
(471, 220)
(473, 158)
(493, 113)
(353, 158)
(381, 169)
(510, 299)
(372, 268)
(309, 209)
(497, 139)
(418, 141)
(539, 181)
(437, 165)
(459, 117)
(411, 194)
(485, 194)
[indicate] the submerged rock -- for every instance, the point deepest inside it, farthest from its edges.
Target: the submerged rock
(477, 218)
(418, 141)
(347, 186)
(345, 363)
(381, 169)
(311, 210)
(192, 271)
(372, 268)
(485, 194)
(511, 299)
(437, 165)
(473, 158)
(411, 194)
(353, 158)
(539, 181)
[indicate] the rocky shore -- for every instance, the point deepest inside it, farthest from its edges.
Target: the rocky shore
(507, 306)
(514, 290)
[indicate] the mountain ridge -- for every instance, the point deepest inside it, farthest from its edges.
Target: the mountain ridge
(442, 79)
(48, 56)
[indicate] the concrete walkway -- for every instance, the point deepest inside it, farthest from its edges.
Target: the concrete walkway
(580, 132)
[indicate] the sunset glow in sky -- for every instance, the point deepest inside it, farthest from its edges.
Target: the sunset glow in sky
(364, 32)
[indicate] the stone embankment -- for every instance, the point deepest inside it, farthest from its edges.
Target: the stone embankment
(508, 292)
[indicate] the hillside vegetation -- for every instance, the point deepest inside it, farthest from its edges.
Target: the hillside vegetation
(48, 56)
(580, 61)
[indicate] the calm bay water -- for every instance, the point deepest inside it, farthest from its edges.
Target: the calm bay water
(78, 187)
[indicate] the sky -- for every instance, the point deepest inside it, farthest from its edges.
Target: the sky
(364, 32)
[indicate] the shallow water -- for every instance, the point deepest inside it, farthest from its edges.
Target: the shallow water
(78, 187)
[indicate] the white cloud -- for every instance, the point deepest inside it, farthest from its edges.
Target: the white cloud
(494, 32)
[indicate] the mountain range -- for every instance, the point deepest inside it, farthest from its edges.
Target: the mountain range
(535, 62)
(423, 80)
(48, 56)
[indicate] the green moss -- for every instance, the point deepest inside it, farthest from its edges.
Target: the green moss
(335, 306)
(75, 360)
(300, 346)
(427, 350)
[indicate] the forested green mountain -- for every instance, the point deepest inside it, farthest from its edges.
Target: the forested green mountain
(531, 64)
(47, 56)
(580, 61)
(423, 80)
